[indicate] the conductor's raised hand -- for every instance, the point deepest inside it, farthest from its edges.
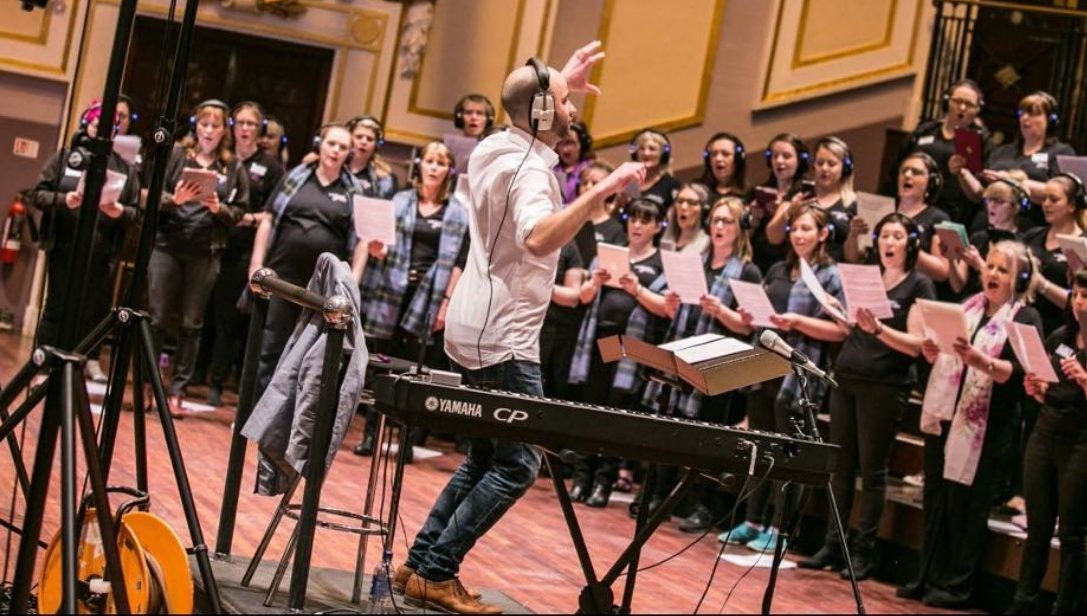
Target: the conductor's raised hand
(626, 173)
(579, 66)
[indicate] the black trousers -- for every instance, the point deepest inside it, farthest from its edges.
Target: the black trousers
(956, 516)
(863, 421)
(230, 324)
(557, 344)
(594, 469)
(1055, 486)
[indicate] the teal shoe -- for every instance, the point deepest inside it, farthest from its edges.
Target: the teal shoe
(740, 535)
(765, 542)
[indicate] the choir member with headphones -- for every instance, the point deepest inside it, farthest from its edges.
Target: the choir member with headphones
(961, 104)
(58, 197)
(192, 233)
(1004, 200)
(473, 114)
(833, 176)
(365, 163)
(247, 122)
(274, 140)
(575, 154)
(653, 148)
(727, 257)
(308, 213)
(517, 230)
(1055, 468)
(1064, 205)
(874, 373)
(1034, 151)
(631, 310)
(805, 327)
(919, 183)
(788, 160)
(408, 285)
(724, 165)
(967, 418)
(686, 230)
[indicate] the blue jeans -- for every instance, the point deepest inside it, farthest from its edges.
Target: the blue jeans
(493, 476)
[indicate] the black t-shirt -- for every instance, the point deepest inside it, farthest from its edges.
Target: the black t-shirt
(865, 358)
(616, 304)
(566, 316)
(191, 228)
(1007, 395)
(1054, 269)
(317, 219)
(926, 222)
(426, 239)
(838, 217)
(663, 192)
(264, 174)
(748, 273)
(929, 138)
(610, 231)
(1064, 397)
(1039, 167)
(778, 286)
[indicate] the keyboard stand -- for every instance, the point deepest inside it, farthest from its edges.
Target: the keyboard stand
(597, 597)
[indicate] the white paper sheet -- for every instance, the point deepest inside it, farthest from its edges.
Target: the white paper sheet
(752, 297)
(683, 343)
(1029, 350)
(1073, 243)
(862, 286)
(872, 209)
(375, 219)
(206, 180)
(127, 147)
(944, 322)
(685, 275)
(817, 290)
(111, 192)
(722, 347)
(462, 148)
(614, 259)
(1073, 164)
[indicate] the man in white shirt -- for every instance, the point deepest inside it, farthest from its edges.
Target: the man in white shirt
(494, 318)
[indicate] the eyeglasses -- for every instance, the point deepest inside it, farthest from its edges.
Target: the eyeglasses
(722, 220)
(963, 102)
(686, 201)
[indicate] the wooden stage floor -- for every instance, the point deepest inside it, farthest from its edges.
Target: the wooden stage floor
(527, 555)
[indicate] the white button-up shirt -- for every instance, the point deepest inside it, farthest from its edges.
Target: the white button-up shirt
(504, 291)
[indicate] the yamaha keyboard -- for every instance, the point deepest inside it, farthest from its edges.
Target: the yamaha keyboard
(587, 428)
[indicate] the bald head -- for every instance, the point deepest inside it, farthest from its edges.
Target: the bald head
(517, 93)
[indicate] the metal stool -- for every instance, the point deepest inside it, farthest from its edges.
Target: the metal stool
(367, 526)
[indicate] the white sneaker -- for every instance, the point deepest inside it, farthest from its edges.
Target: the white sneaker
(93, 371)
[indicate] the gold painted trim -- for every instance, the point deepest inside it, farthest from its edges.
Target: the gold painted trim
(695, 119)
(545, 21)
(413, 95)
(393, 71)
(47, 69)
(43, 31)
(901, 69)
(856, 50)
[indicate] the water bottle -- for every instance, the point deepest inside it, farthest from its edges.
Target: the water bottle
(381, 600)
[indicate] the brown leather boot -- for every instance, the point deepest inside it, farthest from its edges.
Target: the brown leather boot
(404, 572)
(448, 595)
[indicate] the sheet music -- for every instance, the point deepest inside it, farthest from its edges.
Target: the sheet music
(615, 260)
(872, 209)
(1029, 350)
(752, 297)
(1073, 164)
(111, 190)
(863, 287)
(127, 147)
(821, 295)
(722, 347)
(685, 275)
(375, 219)
(944, 322)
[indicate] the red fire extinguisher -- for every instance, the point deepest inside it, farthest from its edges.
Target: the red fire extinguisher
(11, 243)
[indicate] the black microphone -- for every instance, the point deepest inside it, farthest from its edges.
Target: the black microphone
(772, 342)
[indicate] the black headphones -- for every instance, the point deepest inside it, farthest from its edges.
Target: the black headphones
(255, 106)
(1079, 195)
(370, 122)
(847, 155)
(1053, 120)
(132, 115)
(1026, 273)
(458, 110)
(584, 139)
(913, 234)
(945, 100)
(803, 156)
(542, 114)
(211, 102)
(315, 143)
(1022, 199)
(666, 147)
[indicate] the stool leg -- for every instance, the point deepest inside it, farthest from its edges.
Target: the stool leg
(281, 569)
(376, 462)
(269, 532)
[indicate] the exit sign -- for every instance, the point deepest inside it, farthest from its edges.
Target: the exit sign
(27, 148)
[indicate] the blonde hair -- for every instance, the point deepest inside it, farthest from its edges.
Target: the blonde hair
(662, 143)
(735, 205)
(835, 147)
(417, 181)
(1021, 255)
(381, 167)
(225, 150)
(1004, 191)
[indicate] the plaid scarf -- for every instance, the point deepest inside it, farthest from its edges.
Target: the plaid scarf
(691, 321)
(289, 186)
(801, 301)
(386, 281)
(637, 326)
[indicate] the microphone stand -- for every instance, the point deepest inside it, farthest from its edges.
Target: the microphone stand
(806, 428)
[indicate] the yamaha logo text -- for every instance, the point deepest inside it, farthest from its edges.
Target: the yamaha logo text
(453, 407)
